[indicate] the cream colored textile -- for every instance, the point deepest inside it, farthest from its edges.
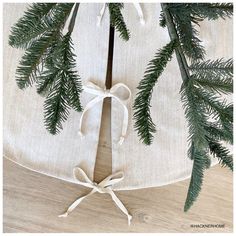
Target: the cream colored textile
(165, 161)
(25, 139)
(28, 143)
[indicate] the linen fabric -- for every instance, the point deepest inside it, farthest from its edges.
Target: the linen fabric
(26, 141)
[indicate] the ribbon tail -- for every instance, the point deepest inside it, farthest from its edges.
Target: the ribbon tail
(87, 107)
(75, 204)
(121, 206)
(125, 125)
(140, 13)
(100, 16)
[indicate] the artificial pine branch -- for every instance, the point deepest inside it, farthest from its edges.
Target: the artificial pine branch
(22, 31)
(29, 65)
(216, 132)
(194, 114)
(201, 11)
(188, 36)
(65, 88)
(38, 19)
(214, 106)
(195, 111)
(143, 121)
(201, 81)
(211, 11)
(49, 60)
(215, 76)
(200, 163)
(222, 153)
(117, 20)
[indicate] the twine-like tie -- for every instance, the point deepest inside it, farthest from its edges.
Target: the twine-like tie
(105, 186)
(136, 5)
(102, 93)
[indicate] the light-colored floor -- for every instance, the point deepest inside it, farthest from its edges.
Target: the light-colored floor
(32, 201)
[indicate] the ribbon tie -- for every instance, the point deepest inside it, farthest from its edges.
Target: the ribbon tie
(136, 5)
(105, 186)
(100, 93)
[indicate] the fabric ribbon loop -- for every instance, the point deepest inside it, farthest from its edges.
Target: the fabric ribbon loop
(105, 186)
(136, 5)
(101, 93)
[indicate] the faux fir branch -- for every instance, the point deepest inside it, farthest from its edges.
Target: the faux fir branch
(117, 20)
(49, 60)
(210, 119)
(143, 121)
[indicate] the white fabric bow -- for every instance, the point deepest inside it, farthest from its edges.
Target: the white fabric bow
(136, 5)
(100, 93)
(105, 186)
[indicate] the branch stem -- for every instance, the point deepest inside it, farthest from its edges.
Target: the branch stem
(72, 20)
(183, 65)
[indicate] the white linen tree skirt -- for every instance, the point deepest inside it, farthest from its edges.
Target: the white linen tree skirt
(27, 142)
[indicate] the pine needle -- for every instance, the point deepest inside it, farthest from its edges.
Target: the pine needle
(143, 121)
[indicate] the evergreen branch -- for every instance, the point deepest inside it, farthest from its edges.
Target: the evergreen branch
(27, 71)
(216, 76)
(45, 82)
(117, 20)
(188, 35)
(73, 18)
(30, 29)
(74, 90)
(183, 66)
(56, 106)
(197, 120)
(22, 31)
(214, 84)
(143, 121)
(200, 163)
(162, 21)
(216, 132)
(219, 66)
(194, 114)
(222, 153)
(66, 87)
(210, 11)
(216, 108)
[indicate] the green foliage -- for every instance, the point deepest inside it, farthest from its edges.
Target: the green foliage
(217, 132)
(205, 135)
(64, 85)
(200, 163)
(29, 65)
(48, 60)
(195, 115)
(188, 35)
(162, 21)
(210, 119)
(25, 26)
(216, 75)
(117, 20)
(39, 19)
(143, 121)
(222, 153)
(187, 16)
(211, 11)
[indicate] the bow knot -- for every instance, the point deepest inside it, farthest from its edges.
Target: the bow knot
(105, 186)
(107, 93)
(102, 93)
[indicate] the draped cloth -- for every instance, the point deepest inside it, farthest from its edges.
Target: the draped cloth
(26, 141)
